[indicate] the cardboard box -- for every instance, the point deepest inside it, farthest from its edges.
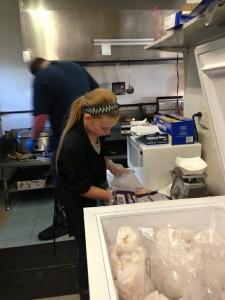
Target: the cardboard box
(176, 20)
(188, 7)
(31, 184)
(158, 22)
(180, 128)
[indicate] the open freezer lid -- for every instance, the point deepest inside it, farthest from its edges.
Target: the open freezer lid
(210, 60)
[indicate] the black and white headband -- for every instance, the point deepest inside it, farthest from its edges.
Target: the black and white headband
(100, 109)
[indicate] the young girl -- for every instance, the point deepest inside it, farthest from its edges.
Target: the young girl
(82, 165)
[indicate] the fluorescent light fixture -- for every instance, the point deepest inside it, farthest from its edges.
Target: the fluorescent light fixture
(122, 42)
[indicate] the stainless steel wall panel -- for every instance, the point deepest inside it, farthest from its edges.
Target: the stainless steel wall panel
(69, 34)
(102, 4)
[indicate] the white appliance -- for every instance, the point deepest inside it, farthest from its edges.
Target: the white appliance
(153, 163)
(210, 60)
(102, 224)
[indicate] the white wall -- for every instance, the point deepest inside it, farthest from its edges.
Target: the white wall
(149, 81)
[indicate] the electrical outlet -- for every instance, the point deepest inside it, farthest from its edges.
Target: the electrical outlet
(26, 56)
(203, 120)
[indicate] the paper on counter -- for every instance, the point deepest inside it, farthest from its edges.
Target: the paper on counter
(144, 130)
(141, 123)
(193, 164)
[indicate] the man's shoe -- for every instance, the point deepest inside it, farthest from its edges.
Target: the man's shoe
(48, 233)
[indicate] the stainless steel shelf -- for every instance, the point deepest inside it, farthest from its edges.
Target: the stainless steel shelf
(10, 185)
(193, 33)
(11, 163)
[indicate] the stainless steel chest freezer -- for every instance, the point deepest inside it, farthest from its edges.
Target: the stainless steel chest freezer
(102, 225)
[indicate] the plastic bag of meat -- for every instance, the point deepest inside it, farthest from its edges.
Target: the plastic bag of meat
(126, 182)
(128, 264)
(186, 263)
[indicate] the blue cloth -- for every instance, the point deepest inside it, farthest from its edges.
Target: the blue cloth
(29, 144)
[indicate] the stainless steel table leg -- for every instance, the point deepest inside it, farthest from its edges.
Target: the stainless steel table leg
(5, 191)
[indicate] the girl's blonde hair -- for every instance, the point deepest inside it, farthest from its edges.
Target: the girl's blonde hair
(94, 99)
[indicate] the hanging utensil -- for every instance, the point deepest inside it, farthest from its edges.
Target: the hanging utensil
(130, 88)
(118, 87)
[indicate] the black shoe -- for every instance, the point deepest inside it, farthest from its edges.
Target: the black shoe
(48, 233)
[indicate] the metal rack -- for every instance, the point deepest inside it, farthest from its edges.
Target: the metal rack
(210, 26)
(10, 185)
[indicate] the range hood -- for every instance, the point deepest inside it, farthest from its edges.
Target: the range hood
(70, 34)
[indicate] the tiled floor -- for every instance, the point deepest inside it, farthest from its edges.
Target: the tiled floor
(31, 212)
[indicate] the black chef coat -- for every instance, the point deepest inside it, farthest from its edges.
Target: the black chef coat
(79, 167)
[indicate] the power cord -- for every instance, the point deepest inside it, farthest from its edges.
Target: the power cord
(199, 115)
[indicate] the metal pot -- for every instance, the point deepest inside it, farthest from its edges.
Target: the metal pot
(43, 143)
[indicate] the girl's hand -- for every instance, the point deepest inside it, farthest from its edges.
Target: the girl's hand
(116, 169)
